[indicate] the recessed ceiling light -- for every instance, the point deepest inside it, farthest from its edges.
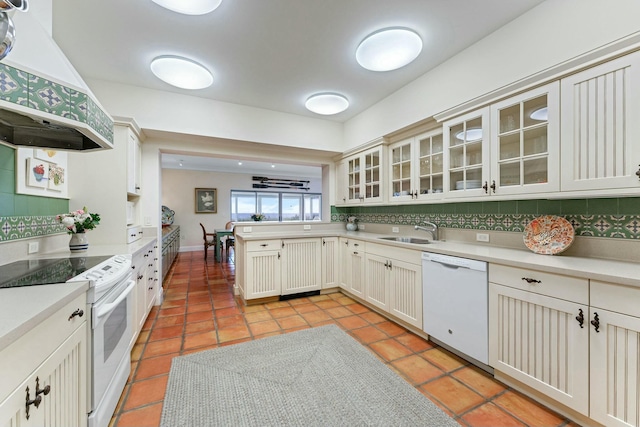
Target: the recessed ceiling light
(389, 49)
(181, 72)
(190, 7)
(272, 165)
(326, 103)
(239, 163)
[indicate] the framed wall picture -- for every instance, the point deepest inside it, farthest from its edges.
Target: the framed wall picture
(206, 200)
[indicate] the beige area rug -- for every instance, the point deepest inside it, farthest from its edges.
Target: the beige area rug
(314, 377)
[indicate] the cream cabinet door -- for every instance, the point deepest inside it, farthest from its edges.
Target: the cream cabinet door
(301, 265)
(263, 274)
(377, 281)
(354, 272)
(615, 369)
(405, 292)
(537, 340)
(134, 156)
(330, 262)
(466, 155)
(62, 378)
(600, 136)
(525, 142)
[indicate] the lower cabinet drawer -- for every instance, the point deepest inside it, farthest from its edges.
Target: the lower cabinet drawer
(134, 233)
(539, 282)
(616, 298)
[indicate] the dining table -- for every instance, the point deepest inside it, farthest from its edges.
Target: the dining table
(219, 235)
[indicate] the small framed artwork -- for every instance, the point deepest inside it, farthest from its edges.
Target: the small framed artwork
(206, 200)
(37, 173)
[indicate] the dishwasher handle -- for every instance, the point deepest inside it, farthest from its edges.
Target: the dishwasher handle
(452, 266)
(454, 262)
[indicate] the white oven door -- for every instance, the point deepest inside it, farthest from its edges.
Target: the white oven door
(112, 317)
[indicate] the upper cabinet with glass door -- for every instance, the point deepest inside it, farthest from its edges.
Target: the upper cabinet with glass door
(363, 177)
(466, 154)
(416, 166)
(525, 143)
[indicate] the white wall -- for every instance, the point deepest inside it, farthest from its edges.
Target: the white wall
(553, 32)
(171, 112)
(178, 194)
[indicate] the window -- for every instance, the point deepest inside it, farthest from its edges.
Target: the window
(275, 206)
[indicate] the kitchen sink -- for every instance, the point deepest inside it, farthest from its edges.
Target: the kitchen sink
(414, 240)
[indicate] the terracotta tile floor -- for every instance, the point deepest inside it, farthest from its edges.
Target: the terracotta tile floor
(200, 312)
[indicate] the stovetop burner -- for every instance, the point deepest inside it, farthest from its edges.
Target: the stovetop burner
(45, 271)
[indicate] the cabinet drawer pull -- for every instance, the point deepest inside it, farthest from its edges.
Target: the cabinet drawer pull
(79, 312)
(580, 318)
(638, 172)
(596, 322)
(264, 245)
(530, 280)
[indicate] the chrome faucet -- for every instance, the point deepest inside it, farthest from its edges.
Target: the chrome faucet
(430, 227)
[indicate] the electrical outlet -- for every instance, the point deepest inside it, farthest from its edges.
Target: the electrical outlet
(246, 229)
(361, 227)
(34, 247)
(306, 227)
(482, 237)
(395, 230)
(147, 221)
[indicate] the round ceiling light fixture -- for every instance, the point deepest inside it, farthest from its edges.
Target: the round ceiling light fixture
(389, 49)
(327, 103)
(190, 7)
(181, 72)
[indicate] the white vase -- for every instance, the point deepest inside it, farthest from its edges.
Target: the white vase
(78, 242)
(352, 226)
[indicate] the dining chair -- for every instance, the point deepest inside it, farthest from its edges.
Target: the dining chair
(230, 241)
(207, 241)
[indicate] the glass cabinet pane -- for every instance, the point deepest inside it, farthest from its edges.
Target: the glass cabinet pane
(522, 143)
(430, 171)
(465, 155)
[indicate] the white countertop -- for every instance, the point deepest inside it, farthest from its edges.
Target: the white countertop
(620, 272)
(22, 309)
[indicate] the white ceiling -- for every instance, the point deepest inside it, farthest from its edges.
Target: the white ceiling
(271, 54)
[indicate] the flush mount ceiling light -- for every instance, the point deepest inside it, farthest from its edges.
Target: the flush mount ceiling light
(326, 103)
(181, 72)
(190, 7)
(389, 49)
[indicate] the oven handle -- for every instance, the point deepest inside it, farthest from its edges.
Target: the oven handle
(108, 308)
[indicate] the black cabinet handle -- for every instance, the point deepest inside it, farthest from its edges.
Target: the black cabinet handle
(485, 187)
(79, 312)
(638, 172)
(580, 318)
(596, 322)
(28, 402)
(40, 391)
(493, 186)
(530, 280)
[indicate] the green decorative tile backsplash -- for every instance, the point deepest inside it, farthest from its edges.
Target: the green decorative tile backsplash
(612, 217)
(23, 216)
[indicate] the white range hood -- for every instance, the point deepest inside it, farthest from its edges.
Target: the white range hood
(56, 107)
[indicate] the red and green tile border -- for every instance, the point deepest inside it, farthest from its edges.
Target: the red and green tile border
(617, 218)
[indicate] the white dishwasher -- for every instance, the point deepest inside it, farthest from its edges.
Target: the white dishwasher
(455, 303)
